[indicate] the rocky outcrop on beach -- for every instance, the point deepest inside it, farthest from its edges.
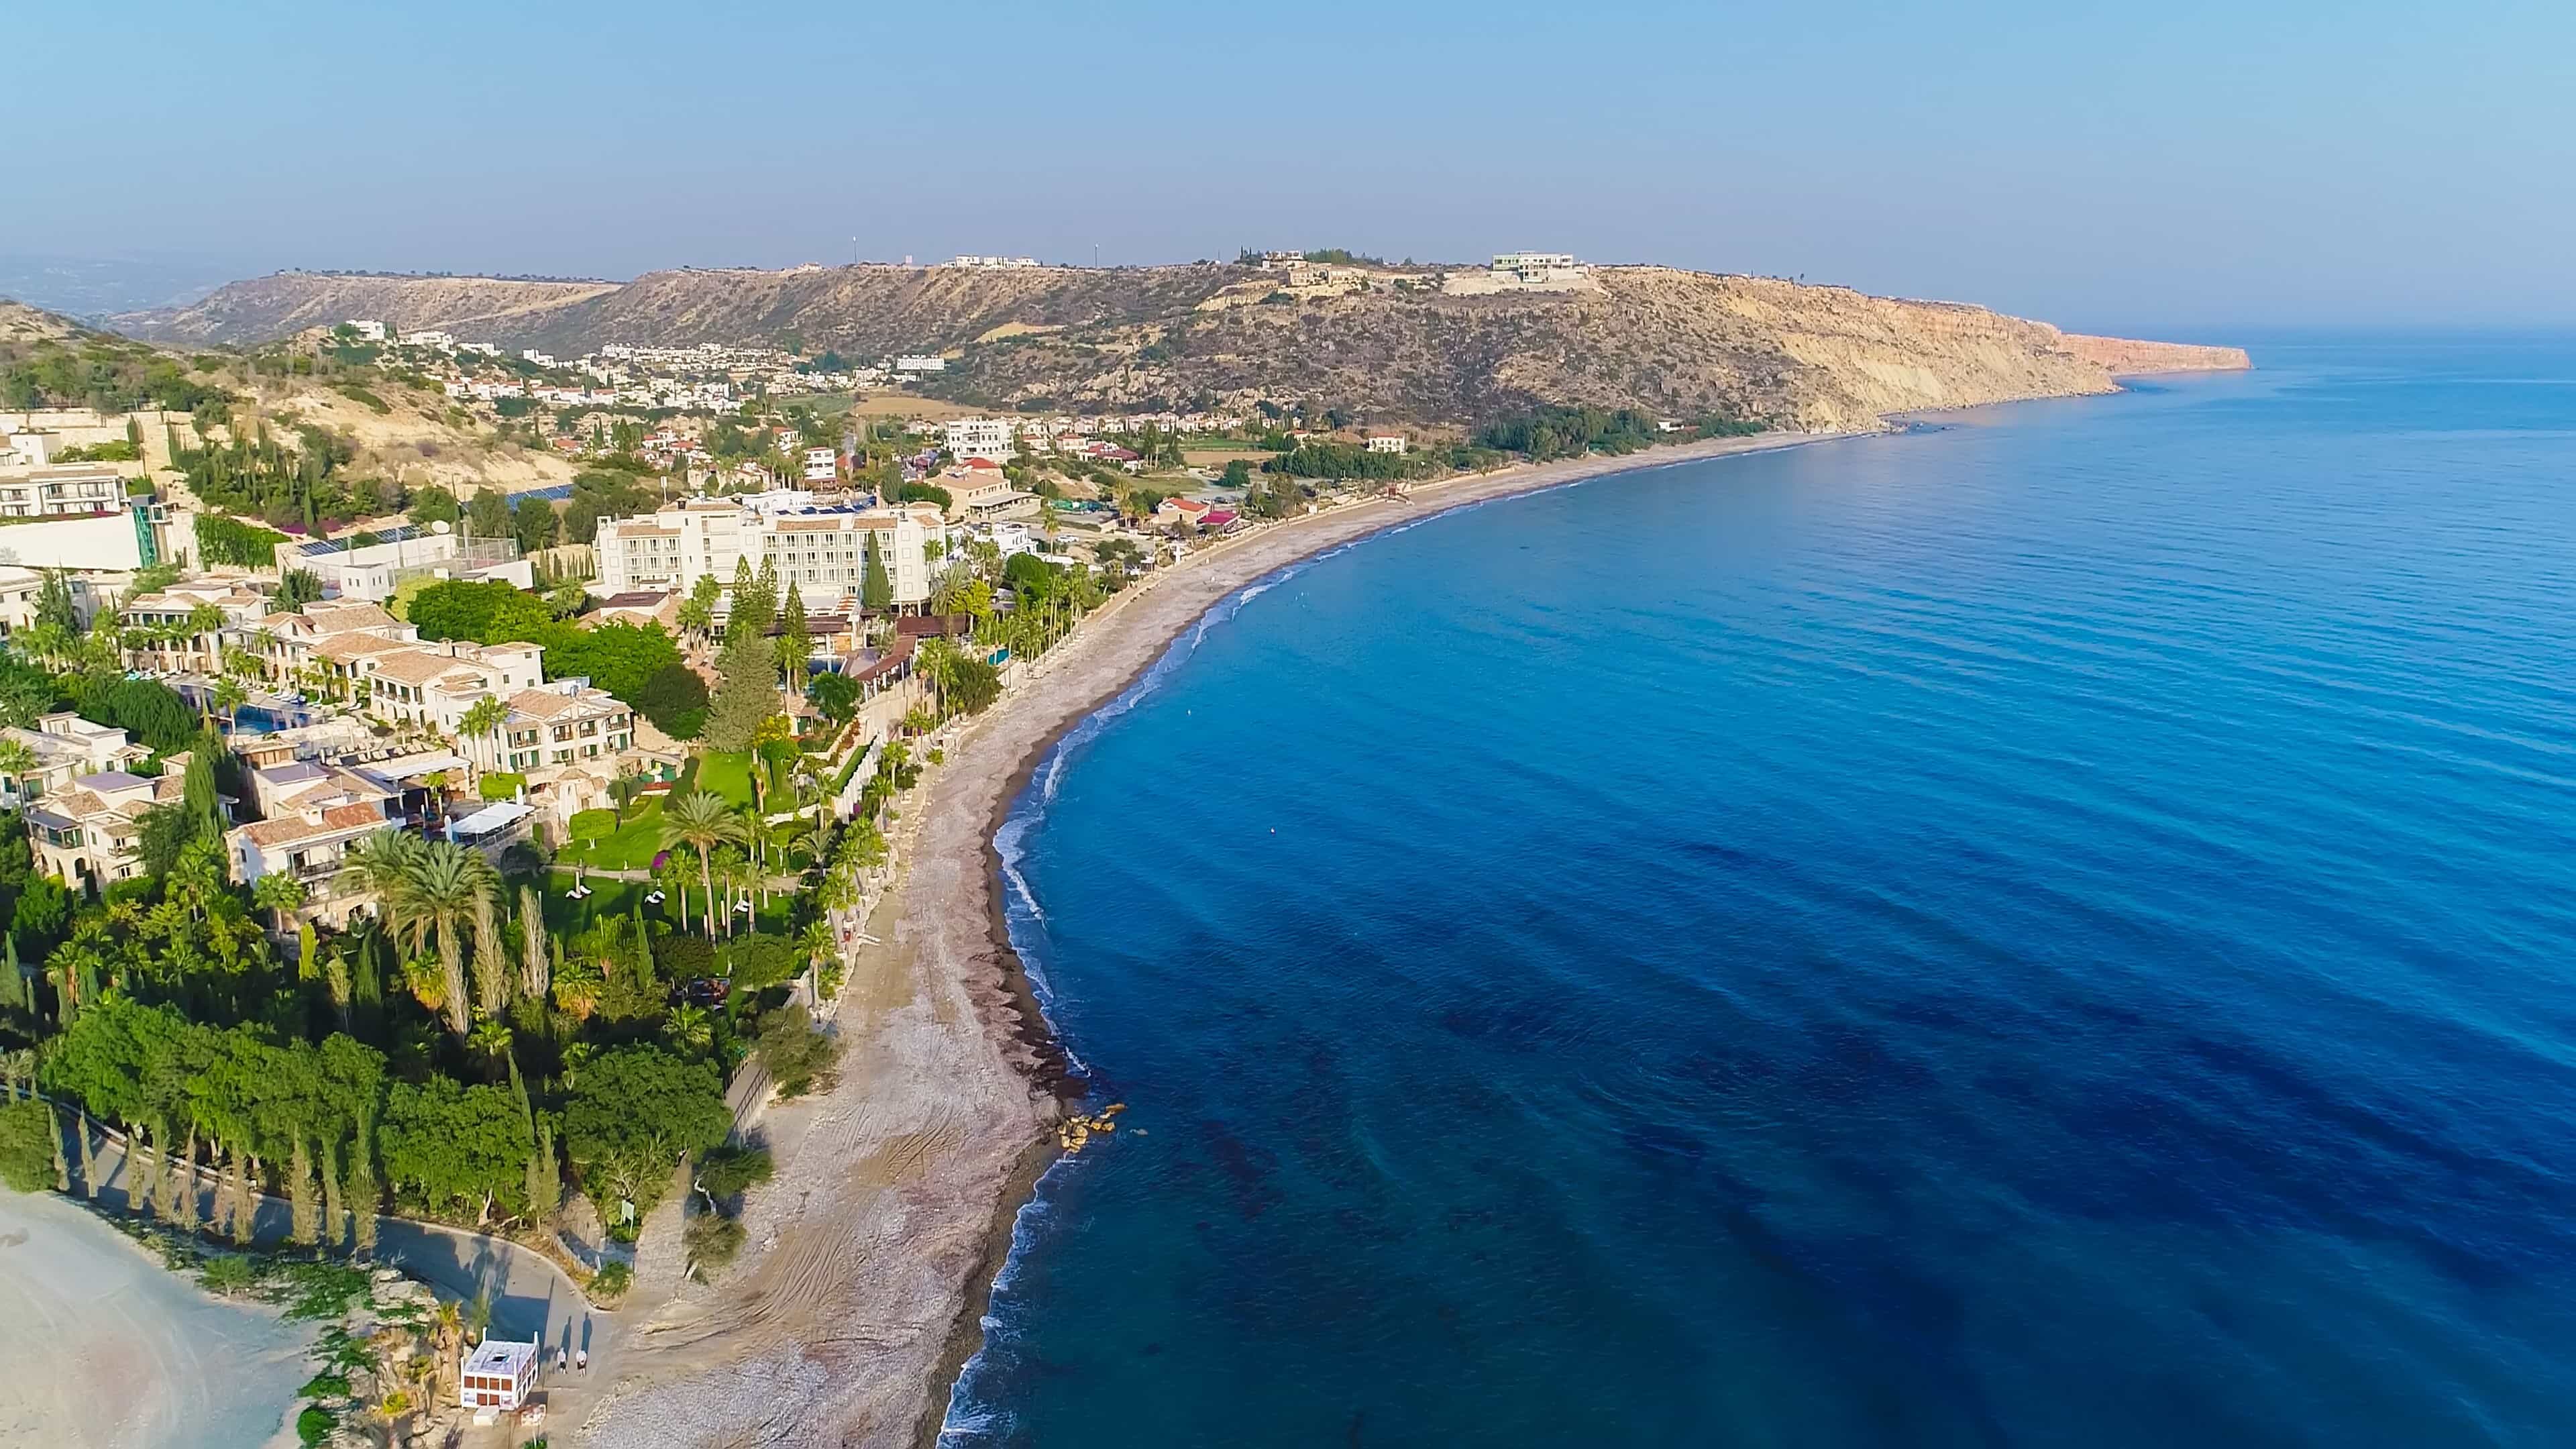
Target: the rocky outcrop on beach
(1398, 349)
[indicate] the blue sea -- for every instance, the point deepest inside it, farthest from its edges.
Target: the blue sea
(2055, 928)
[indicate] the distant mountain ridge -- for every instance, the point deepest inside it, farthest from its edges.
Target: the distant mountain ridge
(1676, 342)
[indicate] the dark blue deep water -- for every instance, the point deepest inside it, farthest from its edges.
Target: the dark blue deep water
(2055, 930)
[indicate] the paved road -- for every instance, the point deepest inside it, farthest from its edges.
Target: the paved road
(531, 1297)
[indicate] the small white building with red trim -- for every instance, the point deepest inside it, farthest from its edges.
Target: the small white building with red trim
(499, 1374)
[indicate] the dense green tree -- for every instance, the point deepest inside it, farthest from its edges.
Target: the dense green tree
(634, 1112)
(455, 1145)
(434, 504)
(534, 523)
(675, 700)
(30, 1141)
(297, 588)
(150, 711)
(222, 540)
(836, 695)
(488, 515)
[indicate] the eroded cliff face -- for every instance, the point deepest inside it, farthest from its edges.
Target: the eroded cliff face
(1684, 344)
(2124, 357)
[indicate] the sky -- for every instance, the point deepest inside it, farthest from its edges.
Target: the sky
(2174, 169)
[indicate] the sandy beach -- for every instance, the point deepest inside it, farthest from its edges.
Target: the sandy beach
(868, 1260)
(107, 1349)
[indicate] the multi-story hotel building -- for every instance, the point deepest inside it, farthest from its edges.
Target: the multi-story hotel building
(823, 551)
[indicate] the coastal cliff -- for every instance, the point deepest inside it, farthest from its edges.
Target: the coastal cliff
(1397, 347)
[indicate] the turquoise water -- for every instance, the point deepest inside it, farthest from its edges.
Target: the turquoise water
(2054, 930)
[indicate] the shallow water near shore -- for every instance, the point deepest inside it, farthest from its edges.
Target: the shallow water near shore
(2054, 929)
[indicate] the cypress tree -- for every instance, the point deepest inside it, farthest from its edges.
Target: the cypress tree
(62, 1169)
(183, 1187)
(335, 1206)
(88, 1155)
(795, 642)
(305, 1227)
(13, 982)
(545, 1184)
(363, 1193)
(245, 1200)
(876, 587)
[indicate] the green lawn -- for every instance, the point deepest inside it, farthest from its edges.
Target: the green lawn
(727, 773)
(618, 897)
(564, 916)
(630, 847)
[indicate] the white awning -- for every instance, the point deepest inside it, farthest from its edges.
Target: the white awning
(489, 819)
(412, 767)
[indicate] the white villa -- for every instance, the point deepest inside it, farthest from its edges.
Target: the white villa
(66, 747)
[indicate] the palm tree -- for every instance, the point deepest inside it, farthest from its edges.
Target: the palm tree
(818, 945)
(380, 860)
(936, 662)
(17, 761)
(690, 1029)
(226, 699)
(483, 720)
(490, 1040)
(443, 892)
(701, 820)
(277, 893)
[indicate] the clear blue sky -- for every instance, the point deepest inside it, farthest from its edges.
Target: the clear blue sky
(2177, 168)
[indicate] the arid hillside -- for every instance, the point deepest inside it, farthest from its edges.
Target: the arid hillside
(267, 309)
(1683, 343)
(391, 430)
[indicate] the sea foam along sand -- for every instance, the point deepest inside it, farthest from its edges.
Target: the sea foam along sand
(871, 1257)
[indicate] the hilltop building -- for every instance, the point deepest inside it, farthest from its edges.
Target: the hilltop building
(979, 438)
(1537, 268)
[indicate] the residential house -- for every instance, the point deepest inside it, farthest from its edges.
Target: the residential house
(978, 438)
(638, 606)
(1387, 443)
(62, 488)
(166, 623)
(1536, 268)
(66, 747)
(20, 588)
(569, 740)
(314, 815)
(1185, 512)
(86, 834)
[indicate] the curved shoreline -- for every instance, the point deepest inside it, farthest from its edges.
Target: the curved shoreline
(871, 1257)
(1292, 543)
